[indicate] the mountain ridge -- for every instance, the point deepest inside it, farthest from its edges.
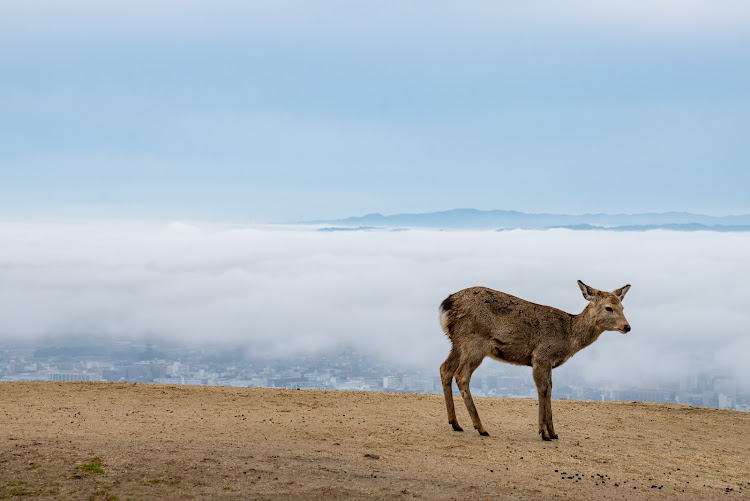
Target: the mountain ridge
(475, 219)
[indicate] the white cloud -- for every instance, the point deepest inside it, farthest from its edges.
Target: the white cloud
(369, 22)
(279, 290)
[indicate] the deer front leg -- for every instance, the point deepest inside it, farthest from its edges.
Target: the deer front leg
(542, 372)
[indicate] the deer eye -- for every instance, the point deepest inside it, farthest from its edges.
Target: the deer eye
(609, 309)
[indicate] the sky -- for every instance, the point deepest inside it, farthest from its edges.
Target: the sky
(279, 291)
(259, 112)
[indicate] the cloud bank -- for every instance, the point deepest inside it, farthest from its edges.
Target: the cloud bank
(280, 290)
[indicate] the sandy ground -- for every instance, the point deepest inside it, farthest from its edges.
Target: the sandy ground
(127, 441)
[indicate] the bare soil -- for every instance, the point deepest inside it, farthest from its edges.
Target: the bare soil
(143, 441)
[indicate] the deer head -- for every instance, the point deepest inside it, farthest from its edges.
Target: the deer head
(606, 307)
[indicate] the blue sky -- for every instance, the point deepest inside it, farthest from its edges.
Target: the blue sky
(288, 110)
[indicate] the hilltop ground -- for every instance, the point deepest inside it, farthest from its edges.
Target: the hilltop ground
(144, 441)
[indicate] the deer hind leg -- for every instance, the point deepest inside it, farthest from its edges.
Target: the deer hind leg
(447, 372)
(543, 379)
(466, 368)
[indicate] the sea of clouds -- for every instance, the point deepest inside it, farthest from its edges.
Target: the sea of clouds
(277, 290)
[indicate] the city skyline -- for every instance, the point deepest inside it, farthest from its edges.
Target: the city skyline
(342, 370)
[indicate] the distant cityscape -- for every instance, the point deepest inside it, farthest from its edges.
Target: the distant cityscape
(346, 370)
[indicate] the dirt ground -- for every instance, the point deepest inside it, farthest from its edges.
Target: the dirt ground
(143, 441)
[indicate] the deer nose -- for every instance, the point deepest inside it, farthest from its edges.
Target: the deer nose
(627, 328)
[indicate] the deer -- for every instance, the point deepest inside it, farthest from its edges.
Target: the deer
(482, 322)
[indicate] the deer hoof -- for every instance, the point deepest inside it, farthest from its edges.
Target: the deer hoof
(484, 433)
(553, 437)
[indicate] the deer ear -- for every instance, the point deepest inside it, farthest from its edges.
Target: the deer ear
(620, 293)
(588, 292)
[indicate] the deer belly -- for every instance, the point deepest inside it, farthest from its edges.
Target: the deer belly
(508, 353)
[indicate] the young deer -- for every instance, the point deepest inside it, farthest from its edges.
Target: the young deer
(482, 322)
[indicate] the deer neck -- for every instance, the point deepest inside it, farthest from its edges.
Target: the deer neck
(584, 328)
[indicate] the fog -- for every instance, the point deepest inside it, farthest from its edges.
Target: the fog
(282, 290)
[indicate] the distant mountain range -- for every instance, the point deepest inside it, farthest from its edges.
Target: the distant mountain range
(474, 219)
